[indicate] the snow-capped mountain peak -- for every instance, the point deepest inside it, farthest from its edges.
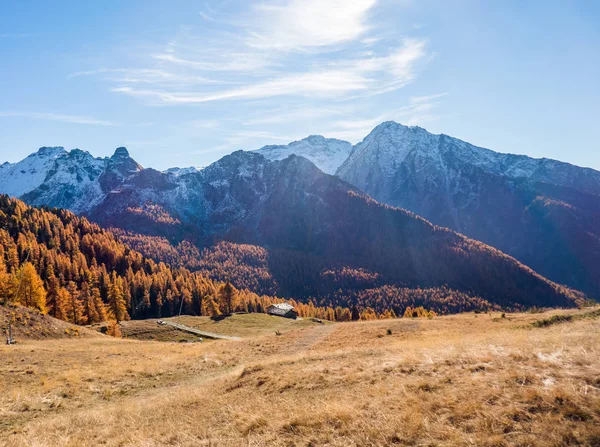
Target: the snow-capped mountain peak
(391, 144)
(26, 175)
(120, 152)
(50, 151)
(388, 145)
(123, 163)
(503, 200)
(75, 180)
(326, 153)
(177, 172)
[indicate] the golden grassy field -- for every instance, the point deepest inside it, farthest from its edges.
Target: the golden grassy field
(464, 380)
(241, 325)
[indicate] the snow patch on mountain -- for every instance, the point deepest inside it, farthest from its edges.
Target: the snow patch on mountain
(326, 153)
(73, 182)
(177, 172)
(26, 175)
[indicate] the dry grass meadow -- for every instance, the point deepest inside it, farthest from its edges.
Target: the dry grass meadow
(464, 380)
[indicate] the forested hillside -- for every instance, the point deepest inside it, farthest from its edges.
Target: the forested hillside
(248, 266)
(66, 266)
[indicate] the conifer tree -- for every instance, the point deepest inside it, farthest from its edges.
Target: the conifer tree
(113, 329)
(210, 306)
(228, 297)
(54, 301)
(99, 306)
(74, 306)
(12, 259)
(30, 289)
(116, 299)
(89, 306)
(63, 300)
(6, 284)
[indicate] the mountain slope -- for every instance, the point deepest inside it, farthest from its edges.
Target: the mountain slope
(306, 219)
(543, 212)
(326, 153)
(20, 178)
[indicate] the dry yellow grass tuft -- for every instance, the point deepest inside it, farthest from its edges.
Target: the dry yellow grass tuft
(465, 380)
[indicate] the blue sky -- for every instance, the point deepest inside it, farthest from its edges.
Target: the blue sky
(183, 83)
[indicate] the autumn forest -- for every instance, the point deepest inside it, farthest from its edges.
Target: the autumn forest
(68, 267)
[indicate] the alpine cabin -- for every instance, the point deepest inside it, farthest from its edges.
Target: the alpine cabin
(282, 310)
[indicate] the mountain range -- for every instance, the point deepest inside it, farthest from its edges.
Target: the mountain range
(545, 213)
(315, 226)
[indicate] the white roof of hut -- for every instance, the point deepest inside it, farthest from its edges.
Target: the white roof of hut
(280, 308)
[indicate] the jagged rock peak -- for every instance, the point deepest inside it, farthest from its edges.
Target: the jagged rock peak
(121, 152)
(316, 139)
(51, 151)
(394, 128)
(79, 153)
(123, 163)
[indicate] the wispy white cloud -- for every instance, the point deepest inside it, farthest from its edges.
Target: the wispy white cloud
(73, 119)
(370, 75)
(292, 48)
(329, 83)
(306, 24)
(226, 61)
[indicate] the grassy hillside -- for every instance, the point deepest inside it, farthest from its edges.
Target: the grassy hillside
(465, 380)
(30, 324)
